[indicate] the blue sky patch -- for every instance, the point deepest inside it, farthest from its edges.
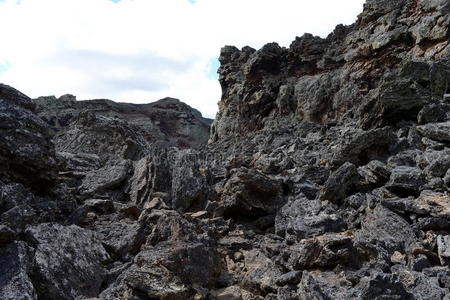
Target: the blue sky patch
(214, 65)
(4, 66)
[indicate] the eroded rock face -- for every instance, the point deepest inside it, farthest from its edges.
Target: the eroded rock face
(327, 177)
(379, 71)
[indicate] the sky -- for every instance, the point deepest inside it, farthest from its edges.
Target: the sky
(143, 50)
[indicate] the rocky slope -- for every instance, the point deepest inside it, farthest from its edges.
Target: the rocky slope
(168, 121)
(326, 177)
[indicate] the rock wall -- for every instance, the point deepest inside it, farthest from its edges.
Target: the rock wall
(378, 71)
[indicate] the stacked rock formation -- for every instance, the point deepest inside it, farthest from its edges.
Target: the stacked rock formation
(326, 176)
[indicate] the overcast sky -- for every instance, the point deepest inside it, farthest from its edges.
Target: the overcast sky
(143, 50)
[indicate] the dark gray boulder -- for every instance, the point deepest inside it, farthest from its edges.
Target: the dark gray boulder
(68, 261)
(406, 181)
(15, 268)
(26, 154)
(341, 183)
(388, 230)
(250, 193)
(303, 218)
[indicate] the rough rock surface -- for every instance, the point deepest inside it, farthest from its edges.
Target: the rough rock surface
(26, 154)
(381, 70)
(327, 176)
(167, 121)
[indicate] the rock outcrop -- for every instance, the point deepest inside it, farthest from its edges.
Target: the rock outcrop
(326, 176)
(168, 122)
(379, 71)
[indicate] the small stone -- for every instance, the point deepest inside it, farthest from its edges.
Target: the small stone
(155, 203)
(238, 256)
(200, 214)
(398, 258)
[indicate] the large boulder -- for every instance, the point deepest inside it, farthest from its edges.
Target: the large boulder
(250, 193)
(26, 154)
(69, 261)
(388, 230)
(302, 218)
(177, 261)
(15, 268)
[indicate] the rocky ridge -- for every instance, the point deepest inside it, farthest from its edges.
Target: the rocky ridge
(168, 122)
(326, 177)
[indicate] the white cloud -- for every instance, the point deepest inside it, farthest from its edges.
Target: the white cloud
(143, 50)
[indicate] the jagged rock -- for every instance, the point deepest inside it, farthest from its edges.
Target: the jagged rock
(323, 252)
(325, 285)
(68, 261)
(381, 70)
(340, 183)
(439, 165)
(234, 293)
(20, 208)
(7, 235)
(447, 178)
(376, 172)
(15, 267)
(109, 177)
(436, 131)
(396, 100)
(406, 158)
(438, 204)
(434, 113)
(151, 175)
(100, 205)
(26, 156)
(398, 258)
(250, 193)
(121, 238)
(387, 285)
(290, 278)
(190, 190)
(81, 162)
(387, 229)
(406, 180)
(420, 286)
(441, 273)
(107, 137)
(14, 194)
(302, 218)
(260, 274)
(362, 147)
(178, 260)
